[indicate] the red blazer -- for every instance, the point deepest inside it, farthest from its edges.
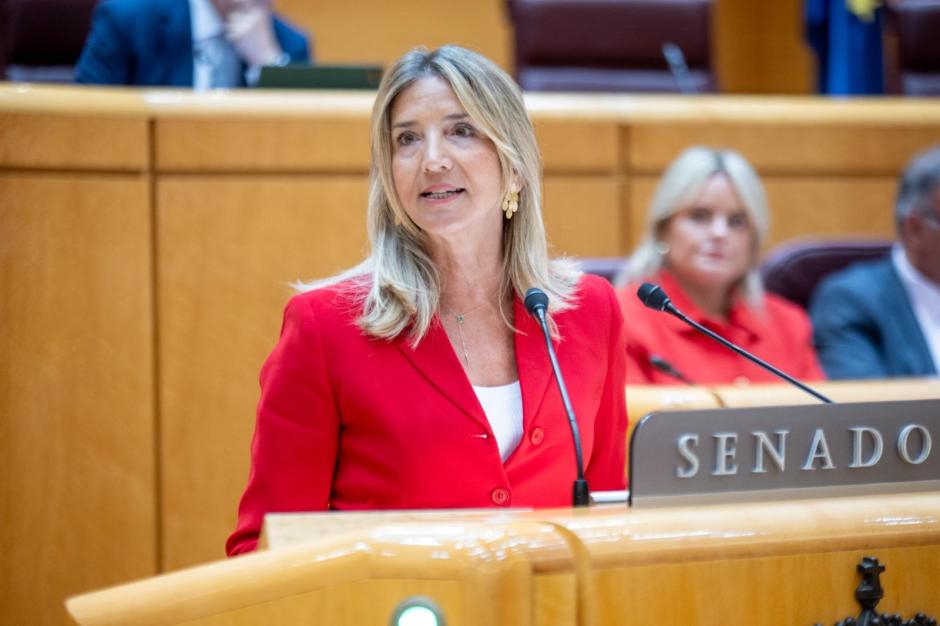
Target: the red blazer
(351, 422)
(780, 334)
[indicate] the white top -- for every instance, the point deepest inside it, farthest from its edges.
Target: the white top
(215, 62)
(503, 408)
(924, 295)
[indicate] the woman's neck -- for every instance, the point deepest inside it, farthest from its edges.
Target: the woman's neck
(713, 302)
(469, 278)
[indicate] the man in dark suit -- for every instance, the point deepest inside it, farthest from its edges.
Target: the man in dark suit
(881, 318)
(186, 43)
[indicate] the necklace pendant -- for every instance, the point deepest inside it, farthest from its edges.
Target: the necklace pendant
(459, 318)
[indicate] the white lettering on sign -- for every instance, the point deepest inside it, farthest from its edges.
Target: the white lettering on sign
(685, 450)
(925, 444)
(867, 448)
(777, 453)
(725, 450)
(818, 449)
(878, 446)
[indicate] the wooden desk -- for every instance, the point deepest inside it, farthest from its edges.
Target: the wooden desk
(766, 564)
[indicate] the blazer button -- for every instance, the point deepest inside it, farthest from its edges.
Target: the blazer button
(500, 496)
(536, 436)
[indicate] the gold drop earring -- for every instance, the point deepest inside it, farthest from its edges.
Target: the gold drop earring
(511, 204)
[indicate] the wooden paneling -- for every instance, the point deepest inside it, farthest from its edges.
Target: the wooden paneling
(785, 146)
(77, 495)
(373, 31)
(769, 591)
(321, 144)
(802, 207)
(759, 47)
(582, 216)
(68, 141)
(572, 146)
(228, 249)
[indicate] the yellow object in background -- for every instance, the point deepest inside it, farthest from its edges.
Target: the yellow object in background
(863, 9)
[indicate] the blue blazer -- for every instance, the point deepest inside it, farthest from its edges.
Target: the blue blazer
(149, 42)
(864, 326)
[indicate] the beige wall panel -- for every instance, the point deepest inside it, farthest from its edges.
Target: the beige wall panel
(803, 207)
(77, 485)
(81, 142)
(341, 144)
(264, 144)
(570, 146)
(582, 215)
(227, 249)
(769, 591)
(759, 47)
(373, 31)
(784, 148)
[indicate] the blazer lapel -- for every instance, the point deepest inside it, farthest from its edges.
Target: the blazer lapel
(535, 369)
(907, 329)
(436, 360)
(175, 43)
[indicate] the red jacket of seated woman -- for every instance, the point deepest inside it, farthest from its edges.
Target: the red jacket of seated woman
(780, 334)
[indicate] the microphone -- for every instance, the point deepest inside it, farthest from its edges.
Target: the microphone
(666, 368)
(655, 298)
(678, 67)
(536, 303)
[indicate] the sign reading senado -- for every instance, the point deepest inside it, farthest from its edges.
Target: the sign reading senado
(767, 452)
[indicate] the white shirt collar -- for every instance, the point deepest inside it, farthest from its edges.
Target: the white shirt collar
(914, 281)
(206, 22)
(924, 295)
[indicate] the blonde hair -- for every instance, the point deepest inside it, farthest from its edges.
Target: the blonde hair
(682, 181)
(400, 281)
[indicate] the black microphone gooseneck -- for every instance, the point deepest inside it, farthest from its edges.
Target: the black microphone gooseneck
(536, 303)
(655, 298)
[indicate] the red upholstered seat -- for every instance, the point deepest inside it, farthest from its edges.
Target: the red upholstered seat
(610, 45)
(917, 24)
(41, 40)
(795, 268)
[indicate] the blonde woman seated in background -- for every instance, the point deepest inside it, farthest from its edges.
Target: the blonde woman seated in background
(704, 231)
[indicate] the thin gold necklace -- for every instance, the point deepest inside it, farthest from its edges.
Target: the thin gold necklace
(460, 318)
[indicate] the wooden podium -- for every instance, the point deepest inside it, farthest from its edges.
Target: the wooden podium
(764, 564)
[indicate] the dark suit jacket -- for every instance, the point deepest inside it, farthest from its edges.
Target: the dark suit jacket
(350, 422)
(149, 42)
(864, 326)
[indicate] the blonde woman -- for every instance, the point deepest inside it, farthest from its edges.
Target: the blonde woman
(706, 223)
(417, 379)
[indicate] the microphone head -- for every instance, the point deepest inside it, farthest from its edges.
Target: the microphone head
(653, 296)
(535, 299)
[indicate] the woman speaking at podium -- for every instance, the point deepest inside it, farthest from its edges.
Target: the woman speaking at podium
(417, 379)
(706, 223)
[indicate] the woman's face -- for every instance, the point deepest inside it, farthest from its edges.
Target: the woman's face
(711, 242)
(446, 171)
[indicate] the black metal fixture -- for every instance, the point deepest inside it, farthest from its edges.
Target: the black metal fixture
(869, 593)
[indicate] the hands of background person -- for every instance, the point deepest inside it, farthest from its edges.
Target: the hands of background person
(250, 30)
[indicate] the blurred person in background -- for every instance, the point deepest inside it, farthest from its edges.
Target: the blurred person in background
(880, 319)
(706, 222)
(417, 379)
(186, 43)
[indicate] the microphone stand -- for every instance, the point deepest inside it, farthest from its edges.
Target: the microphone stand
(536, 302)
(654, 297)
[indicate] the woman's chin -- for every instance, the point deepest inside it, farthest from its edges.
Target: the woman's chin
(712, 280)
